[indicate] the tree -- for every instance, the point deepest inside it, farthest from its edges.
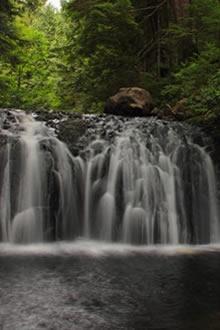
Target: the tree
(198, 76)
(31, 80)
(200, 26)
(103, 44)
(7, 30)
(32, 6)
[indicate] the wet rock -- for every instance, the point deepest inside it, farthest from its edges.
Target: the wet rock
(69, 127)
(3, 140)
(70, 131)
(178, 112)
(155, 111)
(131, 102)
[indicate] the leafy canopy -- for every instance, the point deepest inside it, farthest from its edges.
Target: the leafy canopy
(103, 45)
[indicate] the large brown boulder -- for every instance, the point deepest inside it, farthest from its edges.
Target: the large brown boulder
(131, 102)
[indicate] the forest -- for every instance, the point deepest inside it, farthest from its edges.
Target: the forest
(110, 164)
(75, 58)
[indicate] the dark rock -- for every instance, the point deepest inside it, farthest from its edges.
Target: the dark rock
(155, 112)
(68, 126)
(3, 140)
(180, 110)
(131, 102)
(6, 125)
(70, 131)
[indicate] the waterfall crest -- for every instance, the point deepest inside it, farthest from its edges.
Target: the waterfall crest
(139, 181)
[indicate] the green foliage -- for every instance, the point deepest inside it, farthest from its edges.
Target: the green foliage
(7, 30)
(198, 80)
(77, 58)
(31, 6)
(102, 51)
(204, 18)
(198, 76)
(190, 34)
(30, 78)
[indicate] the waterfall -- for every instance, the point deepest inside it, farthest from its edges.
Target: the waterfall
(137, 181)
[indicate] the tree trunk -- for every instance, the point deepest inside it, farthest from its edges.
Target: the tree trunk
(179, 7)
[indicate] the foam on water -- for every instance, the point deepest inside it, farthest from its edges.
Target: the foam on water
(102, 249)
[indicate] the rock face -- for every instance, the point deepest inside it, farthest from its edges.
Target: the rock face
(68, 126)
(131, 102)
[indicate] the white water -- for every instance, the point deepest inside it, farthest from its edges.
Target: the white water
(148, 183)
(24, 203)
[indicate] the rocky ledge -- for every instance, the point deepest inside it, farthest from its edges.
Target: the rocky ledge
(138, 102)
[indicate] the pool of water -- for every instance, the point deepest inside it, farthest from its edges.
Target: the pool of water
(90, 285)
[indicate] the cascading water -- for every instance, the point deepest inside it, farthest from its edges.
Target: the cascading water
(36, 183)
(140, 181)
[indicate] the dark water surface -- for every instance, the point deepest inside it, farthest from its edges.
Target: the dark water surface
(99, 287)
